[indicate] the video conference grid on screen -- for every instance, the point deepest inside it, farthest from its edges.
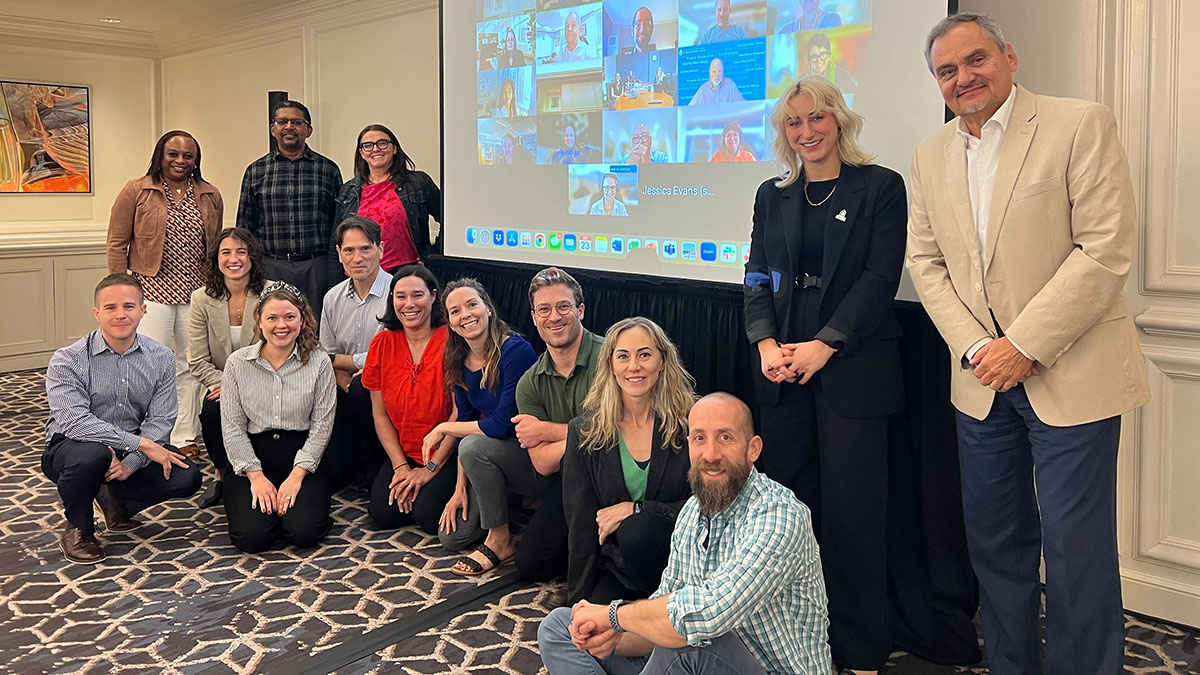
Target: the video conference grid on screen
(616, 107)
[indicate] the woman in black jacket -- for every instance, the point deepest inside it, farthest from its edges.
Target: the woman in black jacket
(624, 473)
(388, 189)
(825, 258)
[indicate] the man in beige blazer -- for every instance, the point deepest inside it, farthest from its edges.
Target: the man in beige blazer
(1021, 234)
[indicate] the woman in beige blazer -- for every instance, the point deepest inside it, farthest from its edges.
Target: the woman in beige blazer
(161, 229)
(216, 328)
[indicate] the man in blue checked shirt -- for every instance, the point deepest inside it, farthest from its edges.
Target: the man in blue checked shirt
(112, 407)
(742, 591)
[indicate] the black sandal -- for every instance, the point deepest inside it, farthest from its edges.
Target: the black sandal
(474, 567)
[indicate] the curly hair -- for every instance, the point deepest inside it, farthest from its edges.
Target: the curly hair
(674, 393)
(306, 342)
(214, 284)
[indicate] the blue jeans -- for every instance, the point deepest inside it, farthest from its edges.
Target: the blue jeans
(722, 656)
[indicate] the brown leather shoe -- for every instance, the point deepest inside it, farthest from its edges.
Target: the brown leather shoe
(114, 512)
(79, 548)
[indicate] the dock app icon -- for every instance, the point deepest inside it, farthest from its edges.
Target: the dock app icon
(618, 245)
(498, 237)
(601, 244)
(539, 240)
(670, 248)
(472, 236)
(512, 238)
(708, 251)
(526, 239)
(688, 250)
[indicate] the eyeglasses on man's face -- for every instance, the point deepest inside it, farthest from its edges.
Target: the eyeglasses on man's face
(289, 122)
(367, 146)
(563, 307)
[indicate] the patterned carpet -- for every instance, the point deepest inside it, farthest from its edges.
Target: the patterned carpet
(176, 597)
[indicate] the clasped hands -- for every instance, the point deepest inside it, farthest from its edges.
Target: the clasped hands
(590, 630)
(795, 361)
(1000, 366)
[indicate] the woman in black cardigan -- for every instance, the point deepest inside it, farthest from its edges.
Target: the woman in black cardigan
(625, 467)
(825, 258)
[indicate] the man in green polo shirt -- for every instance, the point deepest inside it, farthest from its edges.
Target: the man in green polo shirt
(549, 395)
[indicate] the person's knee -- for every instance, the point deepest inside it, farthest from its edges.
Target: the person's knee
(183, 482)
(384, 516)
(475, 450)
(553, 630)
(88, 459)
(644, 531)
(458, 540)
(307, 533)
(253, 540)
(539, 560)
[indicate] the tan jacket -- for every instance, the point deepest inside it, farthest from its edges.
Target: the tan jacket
(138, 224)
(208, 335)
(1060, 242)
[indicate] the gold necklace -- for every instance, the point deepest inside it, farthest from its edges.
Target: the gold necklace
(810, 202)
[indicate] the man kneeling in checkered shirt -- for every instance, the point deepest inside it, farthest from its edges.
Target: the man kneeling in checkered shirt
(742, 591)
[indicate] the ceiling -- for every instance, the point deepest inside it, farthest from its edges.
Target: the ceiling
(151, 16)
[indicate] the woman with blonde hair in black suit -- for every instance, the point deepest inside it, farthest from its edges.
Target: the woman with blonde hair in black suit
(625, 466)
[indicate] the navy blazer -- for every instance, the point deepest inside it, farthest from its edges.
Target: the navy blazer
(860, 272)
(594, 479)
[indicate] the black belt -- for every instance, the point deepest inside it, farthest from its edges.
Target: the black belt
(294, 257)
(806, 280)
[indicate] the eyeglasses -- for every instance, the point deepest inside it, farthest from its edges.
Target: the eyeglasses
(288, 122)
(367, 146)
(609, 188)
(641, 138)
(561, 308)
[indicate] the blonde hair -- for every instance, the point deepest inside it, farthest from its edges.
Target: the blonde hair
(673, 393)
(826, 98)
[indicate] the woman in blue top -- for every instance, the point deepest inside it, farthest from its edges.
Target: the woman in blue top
(483, 361)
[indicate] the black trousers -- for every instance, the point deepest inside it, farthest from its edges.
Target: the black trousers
(310, 276)
(78, 468)
(354, 450)
(427, 507)
(644, 540)
(210, 430)
(304, 524)
(542, 552)
(839, 469)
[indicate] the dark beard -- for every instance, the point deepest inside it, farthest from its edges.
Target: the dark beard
(713, 497)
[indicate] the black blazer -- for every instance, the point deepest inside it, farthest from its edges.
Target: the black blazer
(860, 272)
(592, 480)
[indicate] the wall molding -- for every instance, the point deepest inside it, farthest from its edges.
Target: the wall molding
(1155, 539)
(258, 24)
(1170, 322)
(30, 32)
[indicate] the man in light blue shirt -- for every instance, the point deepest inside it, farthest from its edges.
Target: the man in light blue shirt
(722, 30)
(112, 407)
(718, 88)
(742, 592)
(349, 321)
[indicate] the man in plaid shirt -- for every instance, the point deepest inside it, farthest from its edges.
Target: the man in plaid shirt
(288, 203)
(742, 591)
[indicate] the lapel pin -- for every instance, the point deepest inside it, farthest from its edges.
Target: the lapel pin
(841, 215)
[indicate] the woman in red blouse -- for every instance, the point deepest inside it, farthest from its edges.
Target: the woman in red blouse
(389, 190)
(409, 398)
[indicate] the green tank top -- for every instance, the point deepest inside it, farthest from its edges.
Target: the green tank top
(635, 472)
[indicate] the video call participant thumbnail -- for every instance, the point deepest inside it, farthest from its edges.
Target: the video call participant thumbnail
(732, 149)
(718, 88)
(722, 30)
(810, 16)
(608, 204)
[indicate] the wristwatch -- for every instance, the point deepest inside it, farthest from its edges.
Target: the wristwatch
(612, 615)
(637, 507)
(431, 465)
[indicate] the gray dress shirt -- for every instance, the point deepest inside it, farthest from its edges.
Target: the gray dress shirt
(255, 398)
(347, 323)
(97, 395)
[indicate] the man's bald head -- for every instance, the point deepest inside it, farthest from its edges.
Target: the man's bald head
(725, 400)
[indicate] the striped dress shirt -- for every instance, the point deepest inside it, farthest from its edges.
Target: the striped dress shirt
(97, 395)
(348, 323)
(753, 569)
(255, 398)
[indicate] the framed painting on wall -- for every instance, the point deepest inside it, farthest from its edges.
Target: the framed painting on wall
(45, 138)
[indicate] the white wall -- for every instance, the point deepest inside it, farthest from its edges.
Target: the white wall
(124, 98)
(370, 62)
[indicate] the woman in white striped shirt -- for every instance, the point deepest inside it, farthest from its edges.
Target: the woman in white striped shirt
(277, 406)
